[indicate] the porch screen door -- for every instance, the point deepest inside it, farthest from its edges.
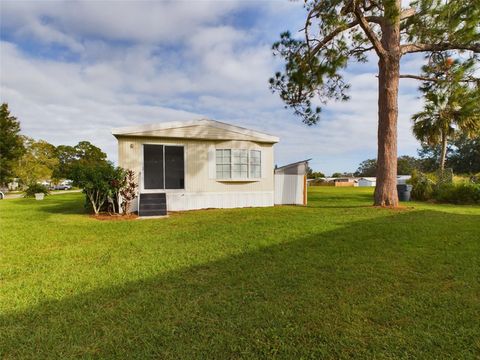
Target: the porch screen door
(153, 167)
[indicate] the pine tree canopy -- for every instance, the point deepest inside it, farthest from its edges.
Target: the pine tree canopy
(339, 31)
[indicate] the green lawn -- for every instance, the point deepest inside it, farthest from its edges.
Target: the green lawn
(338, 279)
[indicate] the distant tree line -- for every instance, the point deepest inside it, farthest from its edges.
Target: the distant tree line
(462, 156)
(107, 188)
(33, 160)
(314, 174)
(405, 166)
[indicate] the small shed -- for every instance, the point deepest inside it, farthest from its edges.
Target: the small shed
(291, 183)
(367, 182)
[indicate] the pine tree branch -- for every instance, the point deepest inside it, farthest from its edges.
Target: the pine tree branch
(417, 77)
(360, 50)
(340, 29)
(363, 22)
(407, 13)
(426, 78)
(414, 48)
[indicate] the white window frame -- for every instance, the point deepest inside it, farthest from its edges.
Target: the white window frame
(248, 176)
(259, 164)
(222, 164)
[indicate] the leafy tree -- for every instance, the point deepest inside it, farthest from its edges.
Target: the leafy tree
(84, 152)
(451, 104)
(87, 152)
(98, 180)
(66, 156)
(465, 157)
(405, 166)
(314, 174)
(430, 156)
(11, 143)
(367, 168)
(344, 174)
(337, 31)
(37, 163)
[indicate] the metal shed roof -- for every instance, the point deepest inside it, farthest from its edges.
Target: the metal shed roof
(296, 168)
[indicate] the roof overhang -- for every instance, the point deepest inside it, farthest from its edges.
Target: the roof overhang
(150, 130)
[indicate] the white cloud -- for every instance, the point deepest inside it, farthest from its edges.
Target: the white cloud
(141, 62)
(136, 21)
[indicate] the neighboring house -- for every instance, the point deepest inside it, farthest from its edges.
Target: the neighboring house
(344, 181)
(197, 164)
(367, 182)
(291, 183)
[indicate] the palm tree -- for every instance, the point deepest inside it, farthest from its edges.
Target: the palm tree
(452, 105)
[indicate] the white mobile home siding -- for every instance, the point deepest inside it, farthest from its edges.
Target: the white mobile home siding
(202, 190)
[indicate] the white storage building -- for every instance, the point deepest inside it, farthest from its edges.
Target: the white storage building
(291, 184)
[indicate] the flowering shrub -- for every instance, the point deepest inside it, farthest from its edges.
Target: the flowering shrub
(128, 191)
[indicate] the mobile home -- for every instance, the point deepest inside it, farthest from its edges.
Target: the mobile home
(197, 164)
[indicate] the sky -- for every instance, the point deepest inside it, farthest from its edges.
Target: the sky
(74, 70)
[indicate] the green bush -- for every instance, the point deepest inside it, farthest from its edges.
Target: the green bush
(35, 188)
(99, 181)
(422, 186)
(460, 193)
(433, 186)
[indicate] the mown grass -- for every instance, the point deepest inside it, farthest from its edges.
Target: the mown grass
(338, 279)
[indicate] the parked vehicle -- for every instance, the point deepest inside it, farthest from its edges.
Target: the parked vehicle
(3, 192)
(62, 187)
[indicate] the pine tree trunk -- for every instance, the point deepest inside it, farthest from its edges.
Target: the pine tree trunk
(388, 80)
(443, 156)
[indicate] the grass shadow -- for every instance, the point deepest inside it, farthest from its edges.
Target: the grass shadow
(346, 293)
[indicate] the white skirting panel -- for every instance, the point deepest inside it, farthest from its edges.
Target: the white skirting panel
(222, 200)
(180, 201)
(289, 189)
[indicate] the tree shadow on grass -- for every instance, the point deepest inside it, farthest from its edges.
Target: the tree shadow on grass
(388, 288)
